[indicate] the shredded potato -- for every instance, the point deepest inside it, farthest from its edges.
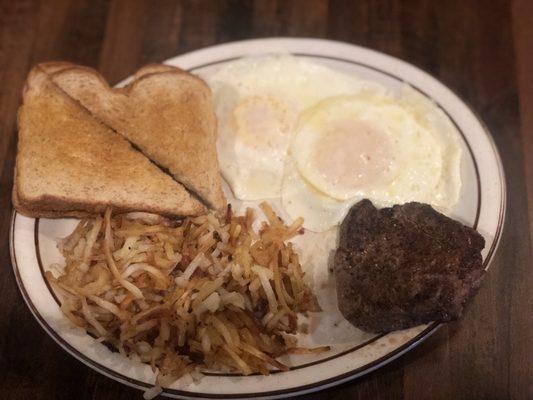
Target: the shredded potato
(201, 293)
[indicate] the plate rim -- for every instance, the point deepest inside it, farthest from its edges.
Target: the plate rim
(367, 368)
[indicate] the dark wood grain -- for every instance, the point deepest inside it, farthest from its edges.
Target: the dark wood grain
(481, 50)
(520, 362)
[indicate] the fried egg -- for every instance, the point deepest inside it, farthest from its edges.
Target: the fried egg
(371, 145)
(321, 140)
(258, 101)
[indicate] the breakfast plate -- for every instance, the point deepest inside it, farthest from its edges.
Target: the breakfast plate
(481, 204)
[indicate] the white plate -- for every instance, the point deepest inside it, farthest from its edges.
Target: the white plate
(354, 353)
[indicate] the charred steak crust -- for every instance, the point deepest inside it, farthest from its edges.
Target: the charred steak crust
(403, 266)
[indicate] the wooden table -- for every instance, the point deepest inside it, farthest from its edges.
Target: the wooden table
(483, 50)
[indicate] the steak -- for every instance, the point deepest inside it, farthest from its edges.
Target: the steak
(404, 266)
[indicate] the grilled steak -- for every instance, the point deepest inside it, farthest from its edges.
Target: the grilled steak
(404, 266)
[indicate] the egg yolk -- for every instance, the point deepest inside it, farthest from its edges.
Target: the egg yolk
(263, 122)
(352, 155)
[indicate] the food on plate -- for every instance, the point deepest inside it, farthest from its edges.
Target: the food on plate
(204, 292)
(167, 282)
(165, 112)
(69, 164)
(370, 145)
(404, 266)
(258, 101)
(322, 140)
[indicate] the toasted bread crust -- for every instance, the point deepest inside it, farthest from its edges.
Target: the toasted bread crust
(63, 210)
(162, 103)
(28, 212)
(69, 164)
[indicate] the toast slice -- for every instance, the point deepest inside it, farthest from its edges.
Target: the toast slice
(35, 213)
(69, 164)
(164, 112)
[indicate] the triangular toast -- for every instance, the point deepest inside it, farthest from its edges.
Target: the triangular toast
(164, 112)
(70, 164)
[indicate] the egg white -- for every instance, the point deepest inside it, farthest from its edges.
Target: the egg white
(422, 162)
(432, 118)
(253, 140)
(275, 114)
(414, 168)
(300, 199)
